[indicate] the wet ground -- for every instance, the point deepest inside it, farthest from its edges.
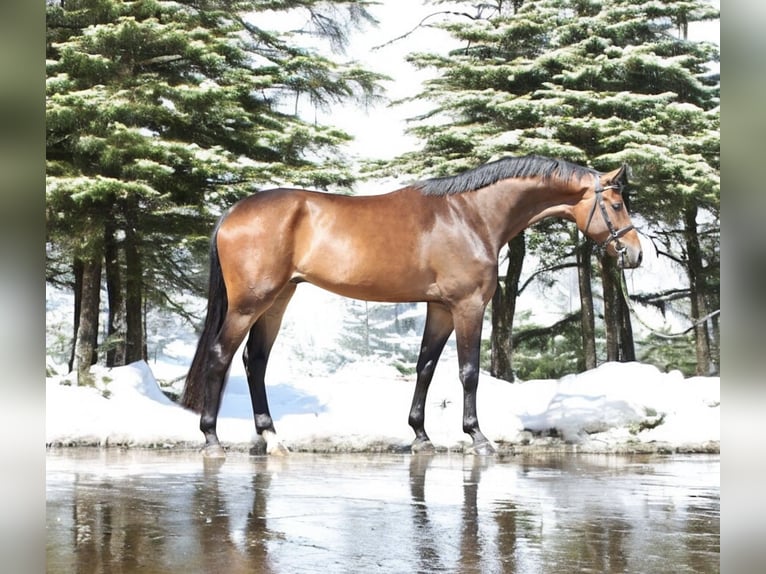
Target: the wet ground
(171, 512)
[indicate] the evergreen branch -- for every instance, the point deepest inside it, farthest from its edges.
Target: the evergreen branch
(659, 251)
(544, 270)
(518, 338)
(422, 24)
(674, 258)
(165, 59)
(659, 299)
(176, 275)
(178, 308)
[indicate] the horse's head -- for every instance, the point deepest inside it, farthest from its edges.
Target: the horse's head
(601, 214)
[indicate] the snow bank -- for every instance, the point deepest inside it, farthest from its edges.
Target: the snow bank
(621, 407)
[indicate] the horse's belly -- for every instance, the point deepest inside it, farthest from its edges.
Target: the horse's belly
(370, 284)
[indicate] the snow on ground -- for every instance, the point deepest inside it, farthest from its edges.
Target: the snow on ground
(363, 404)
(618, 407)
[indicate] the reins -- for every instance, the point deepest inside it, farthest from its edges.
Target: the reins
(660, 334)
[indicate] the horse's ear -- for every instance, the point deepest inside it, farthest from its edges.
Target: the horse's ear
(623, 175)
(622, 180)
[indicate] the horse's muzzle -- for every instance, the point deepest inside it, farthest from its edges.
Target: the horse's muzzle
(628, 257)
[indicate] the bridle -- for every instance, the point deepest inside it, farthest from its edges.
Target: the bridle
(614, 234)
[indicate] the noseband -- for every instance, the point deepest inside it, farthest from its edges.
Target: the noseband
(614, 234)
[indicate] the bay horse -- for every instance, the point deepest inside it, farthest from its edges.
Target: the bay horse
(435, 241)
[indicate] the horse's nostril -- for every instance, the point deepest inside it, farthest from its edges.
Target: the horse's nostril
(640, 257)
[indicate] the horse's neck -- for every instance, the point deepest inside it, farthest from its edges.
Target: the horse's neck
(510, 206)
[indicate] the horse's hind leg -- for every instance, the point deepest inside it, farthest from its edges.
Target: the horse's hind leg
(437, 331)
(219, 359)
(256, 356)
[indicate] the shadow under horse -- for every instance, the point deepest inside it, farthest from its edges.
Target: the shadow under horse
(435, 241)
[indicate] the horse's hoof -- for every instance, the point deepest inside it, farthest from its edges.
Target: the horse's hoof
(277, 449)
(258, 448)
(214, 451)
(273, 446)
(484, 448)
(422, 447)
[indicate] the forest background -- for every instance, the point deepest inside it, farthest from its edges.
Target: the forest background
(159, 115)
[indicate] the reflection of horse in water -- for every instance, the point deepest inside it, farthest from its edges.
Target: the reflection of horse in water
(487, 539)
(219, 550)
(435, 241)
(429, 556)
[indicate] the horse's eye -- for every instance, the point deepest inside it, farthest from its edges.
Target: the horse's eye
(617, 205)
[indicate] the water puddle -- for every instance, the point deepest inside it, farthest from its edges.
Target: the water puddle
(171, 512)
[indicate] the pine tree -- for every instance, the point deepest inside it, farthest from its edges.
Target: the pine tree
(159, 115)
(594, 82)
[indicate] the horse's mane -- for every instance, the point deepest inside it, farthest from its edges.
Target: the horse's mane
(504, 168)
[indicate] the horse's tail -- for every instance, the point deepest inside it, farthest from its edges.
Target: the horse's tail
(217, 303)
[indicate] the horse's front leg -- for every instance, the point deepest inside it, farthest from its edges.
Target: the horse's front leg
(437, 330)
(468, 321)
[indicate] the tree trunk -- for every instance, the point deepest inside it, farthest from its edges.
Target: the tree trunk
(627, 343)
(87, 330)
(619, 330)
(500, 339)
(134, 332)
(611, 323)
(699, 308)
(503, 311)
(77, 271)
(715, 345)
(587, 321)
(115, 352)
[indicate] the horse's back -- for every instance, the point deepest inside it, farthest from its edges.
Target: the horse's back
(367, 247)
(305, 211)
